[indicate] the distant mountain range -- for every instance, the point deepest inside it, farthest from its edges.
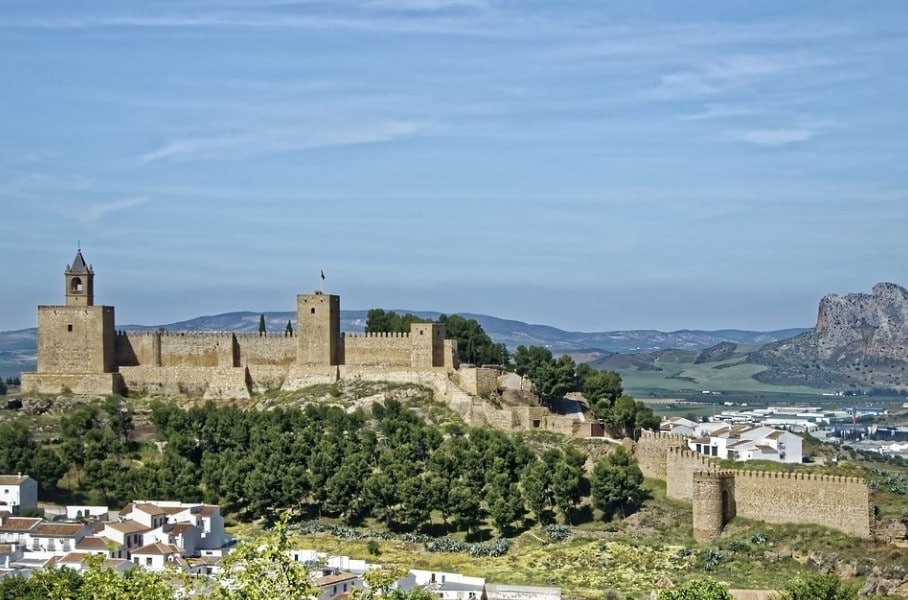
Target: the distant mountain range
(18, 348)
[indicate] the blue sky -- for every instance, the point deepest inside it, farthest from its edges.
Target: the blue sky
(585, 164)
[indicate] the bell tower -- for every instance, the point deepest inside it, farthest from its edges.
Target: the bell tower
(80, 282)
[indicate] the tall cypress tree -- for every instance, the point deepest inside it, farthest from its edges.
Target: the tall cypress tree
(262, 331)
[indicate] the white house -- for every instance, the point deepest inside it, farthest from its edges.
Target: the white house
(130, 534)
(18, 492)
(749, 443)
(678, 426)
(48, 539)
(336, 584)
(77, 513)
(207, 517)
(502, 591)
(14, 530)
(156, 556)
(185, 536)
(450, 586)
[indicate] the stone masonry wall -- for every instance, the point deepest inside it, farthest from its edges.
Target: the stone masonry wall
(478, 381)
(652, 452)
(75, 339)
(167, 380)
(134, 348)
(194, 349)
(843, 503)
(681, 466)
(273, 350)
(376, 349)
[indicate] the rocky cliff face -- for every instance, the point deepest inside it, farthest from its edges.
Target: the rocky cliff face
(860, 342)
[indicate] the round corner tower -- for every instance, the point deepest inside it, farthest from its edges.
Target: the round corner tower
(713, 502)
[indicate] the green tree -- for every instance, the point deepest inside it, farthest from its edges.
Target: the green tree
(473, 344)
(628, 417)
(704, 588)
(265, 570)
(262, 330)
(380, 321)
(814, 586)
(616, 483)
(535, 485)
(551, 377)
(567, 481)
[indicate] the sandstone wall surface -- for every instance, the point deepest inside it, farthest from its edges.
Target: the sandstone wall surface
(843, 503)
(376, 349)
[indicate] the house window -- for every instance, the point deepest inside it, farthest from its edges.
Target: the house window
(135, 559)
(536, 423)
(69, 327)
(345, 587)
(312, 311)
(715, 451)
(147, 561)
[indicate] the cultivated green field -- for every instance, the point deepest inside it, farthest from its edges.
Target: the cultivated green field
(725, 376)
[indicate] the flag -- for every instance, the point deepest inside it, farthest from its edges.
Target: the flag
(323, 275)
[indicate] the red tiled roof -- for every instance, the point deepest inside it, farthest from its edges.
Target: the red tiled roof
(18, 524)
(57, 530)
(13, 479)
(157, 548)
(127, 526)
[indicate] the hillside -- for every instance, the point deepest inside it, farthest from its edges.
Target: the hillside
(18, 348)
(860, 342)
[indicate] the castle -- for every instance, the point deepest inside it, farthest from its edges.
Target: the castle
(80, 351)
(717, 495)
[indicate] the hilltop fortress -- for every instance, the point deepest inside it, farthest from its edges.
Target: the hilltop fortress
(79, 350)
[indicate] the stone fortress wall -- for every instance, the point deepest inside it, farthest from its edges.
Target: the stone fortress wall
(717, 495)
(80, 351)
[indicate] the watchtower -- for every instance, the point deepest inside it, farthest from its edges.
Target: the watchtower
(76, 340)
(318, 329)
(714, 503)
(80, 282)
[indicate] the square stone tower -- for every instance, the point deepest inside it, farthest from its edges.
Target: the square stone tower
(318, 329)
(76, 341)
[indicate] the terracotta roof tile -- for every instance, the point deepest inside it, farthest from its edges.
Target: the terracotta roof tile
(157, 548)
(59, 530)
(13, 479)
(127, 526)
(18, 524)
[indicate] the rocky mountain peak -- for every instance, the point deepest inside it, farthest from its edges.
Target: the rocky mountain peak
(860, 342)
(874, 324)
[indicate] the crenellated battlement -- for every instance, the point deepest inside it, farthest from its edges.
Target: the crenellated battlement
(181, 334)
(377, 334)
(662, 435)
(689, 455)
(800, 476)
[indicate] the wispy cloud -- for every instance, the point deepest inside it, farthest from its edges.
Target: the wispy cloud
(265, 142)
(774, 138)
(720, 111)
(427, 5)
(718, 75)
(95, 213)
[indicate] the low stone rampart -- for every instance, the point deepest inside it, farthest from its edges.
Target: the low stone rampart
(167, 380)
(479, 381)
(376, 349)
(652, 452)
(273, 350)
(681, 465)
(843, 503)
(74, 383)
